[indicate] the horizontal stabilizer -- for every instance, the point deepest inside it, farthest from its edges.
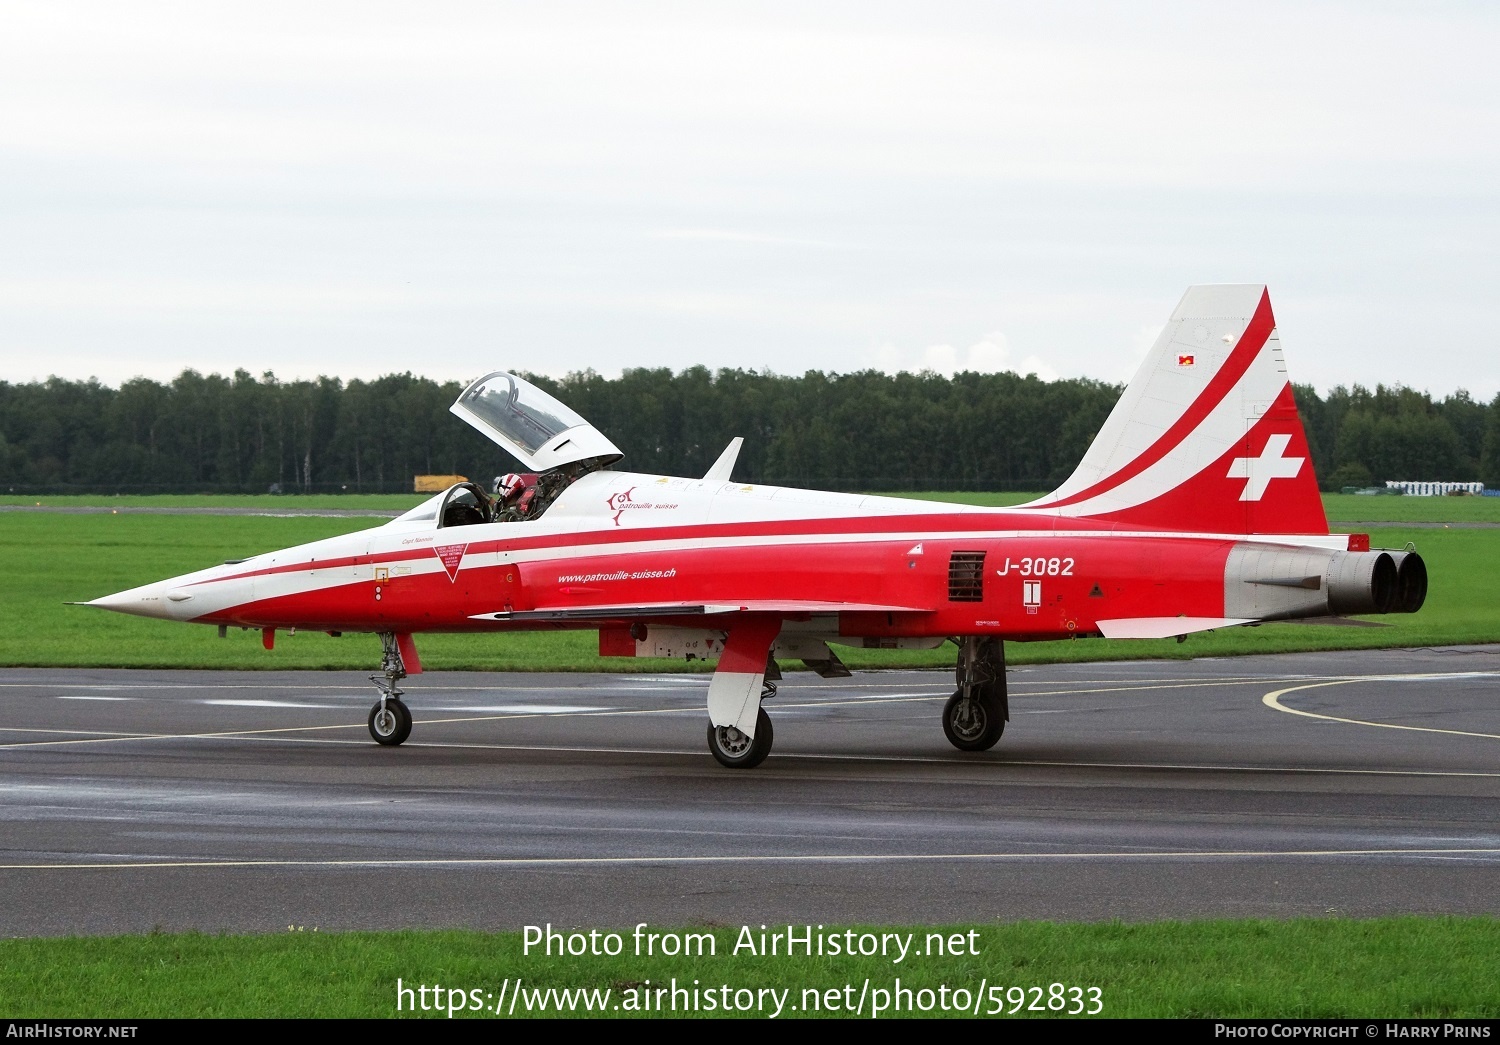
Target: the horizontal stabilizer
(1165, 627)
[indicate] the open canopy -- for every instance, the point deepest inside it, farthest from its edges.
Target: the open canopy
(531, 425)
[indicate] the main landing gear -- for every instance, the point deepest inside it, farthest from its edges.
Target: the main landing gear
(735, 750)
(730, 746)
(975, 715)
(390, 718)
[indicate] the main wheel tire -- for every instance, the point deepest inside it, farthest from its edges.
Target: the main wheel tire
(972, 725)
(733, 749)
(390, 725)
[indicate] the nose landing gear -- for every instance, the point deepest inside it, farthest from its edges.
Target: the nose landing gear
(390, 718)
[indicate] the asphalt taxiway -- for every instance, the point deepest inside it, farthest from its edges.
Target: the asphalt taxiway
(1343, 783)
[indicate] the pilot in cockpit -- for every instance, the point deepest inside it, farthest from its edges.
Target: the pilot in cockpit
(515, 495)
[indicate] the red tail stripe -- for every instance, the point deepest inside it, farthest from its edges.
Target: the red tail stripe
(1251, 342)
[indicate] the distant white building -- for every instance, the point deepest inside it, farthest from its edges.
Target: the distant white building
(1413, 489)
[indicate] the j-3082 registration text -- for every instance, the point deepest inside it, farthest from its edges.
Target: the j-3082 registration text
(1041, 566)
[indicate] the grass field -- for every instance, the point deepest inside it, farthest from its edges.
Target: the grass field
(49, 559)
(1340, 507)
(378, 501)
(1390, 967)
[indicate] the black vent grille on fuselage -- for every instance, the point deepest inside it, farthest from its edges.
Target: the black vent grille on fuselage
(966, 577)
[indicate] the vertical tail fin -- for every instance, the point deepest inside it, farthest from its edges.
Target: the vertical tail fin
(1207, 436)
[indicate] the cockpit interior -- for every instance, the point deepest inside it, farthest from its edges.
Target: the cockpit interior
(517, 497)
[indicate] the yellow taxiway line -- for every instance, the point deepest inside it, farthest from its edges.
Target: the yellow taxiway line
(1273, 700)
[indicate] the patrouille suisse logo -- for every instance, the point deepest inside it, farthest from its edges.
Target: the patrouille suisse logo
(451, 555)
(620, 502)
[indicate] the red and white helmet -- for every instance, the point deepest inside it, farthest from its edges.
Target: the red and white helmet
(509, 484)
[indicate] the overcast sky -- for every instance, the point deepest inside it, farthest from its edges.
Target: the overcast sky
(449, 188)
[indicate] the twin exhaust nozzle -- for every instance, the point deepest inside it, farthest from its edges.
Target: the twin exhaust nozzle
(1376, 582)
(1270, 582)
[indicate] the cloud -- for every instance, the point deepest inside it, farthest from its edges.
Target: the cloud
(737, 236)
(989, 355)
(372, 188)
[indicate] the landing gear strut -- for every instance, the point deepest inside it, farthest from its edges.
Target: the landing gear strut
(739, 730)
(772, 676)
(975, 716)
(731, 746)
(390, 719)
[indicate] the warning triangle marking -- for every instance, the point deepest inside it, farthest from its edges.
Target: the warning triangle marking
(451, 555)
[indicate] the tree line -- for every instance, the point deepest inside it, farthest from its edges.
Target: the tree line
(861, 431)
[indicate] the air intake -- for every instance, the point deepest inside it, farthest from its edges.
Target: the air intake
(966, 577)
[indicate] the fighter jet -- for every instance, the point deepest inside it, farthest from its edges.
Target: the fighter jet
(1195, 508)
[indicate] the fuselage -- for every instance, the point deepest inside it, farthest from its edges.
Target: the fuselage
(867, 567)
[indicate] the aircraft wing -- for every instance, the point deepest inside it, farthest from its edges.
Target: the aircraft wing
(681, 609)
(1171, 627)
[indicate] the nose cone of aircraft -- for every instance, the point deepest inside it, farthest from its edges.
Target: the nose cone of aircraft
(166, 600)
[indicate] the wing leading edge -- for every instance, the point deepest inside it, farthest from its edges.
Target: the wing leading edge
(789, 607)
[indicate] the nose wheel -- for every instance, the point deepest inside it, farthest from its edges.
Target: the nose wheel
(390, 719)
(732, 748)
(390, 722)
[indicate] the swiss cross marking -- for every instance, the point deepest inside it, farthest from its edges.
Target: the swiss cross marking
(1271, 464)
(452, 555)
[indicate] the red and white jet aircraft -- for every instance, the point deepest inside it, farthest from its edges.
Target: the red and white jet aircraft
(1195, 508)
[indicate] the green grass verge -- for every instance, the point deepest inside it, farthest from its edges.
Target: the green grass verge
(1340, 507)
(49, 559)
(1354, 508)
(1343, 507)
(378, 501)
(1386, 967)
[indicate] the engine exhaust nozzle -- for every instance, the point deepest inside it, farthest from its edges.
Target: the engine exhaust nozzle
(1411, 582)
(1363, 582)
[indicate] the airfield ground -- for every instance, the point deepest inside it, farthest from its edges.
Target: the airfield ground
(1343, 787)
